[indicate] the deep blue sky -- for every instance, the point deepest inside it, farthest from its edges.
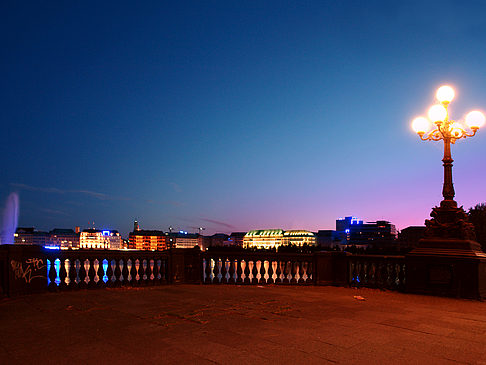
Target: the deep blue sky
(234, 115)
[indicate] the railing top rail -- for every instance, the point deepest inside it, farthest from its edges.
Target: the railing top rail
(260, 255)
(97, 254)
(391, 257)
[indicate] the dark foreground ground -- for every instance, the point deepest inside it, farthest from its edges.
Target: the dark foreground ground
(195, 324)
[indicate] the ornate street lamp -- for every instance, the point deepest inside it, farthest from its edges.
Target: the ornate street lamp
(448, 260)
(448, 221)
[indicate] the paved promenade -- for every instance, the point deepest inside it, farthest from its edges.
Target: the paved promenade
(195, 324)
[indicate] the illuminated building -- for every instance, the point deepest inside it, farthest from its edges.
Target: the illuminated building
(93, 238)
(29, 236)
(299, 238)
(114, 239)
(141, 239)
(185, 240)
(266, 238)
(351, 231)
(64, 238)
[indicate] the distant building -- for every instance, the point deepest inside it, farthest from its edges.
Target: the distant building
(219, 240)
(97, 239)
(409, 237)
(29, 236)
(299, 238)
(183, 239)
(351, 231)
(264, 238)
(92, 238)
(141, 239)
(114, 238)
(64, 238)
(236, 238)
(327, 238)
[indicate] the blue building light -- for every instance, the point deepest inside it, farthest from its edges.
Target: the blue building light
(355, 220)
(347, 231)
(106, 233)
(52, 247)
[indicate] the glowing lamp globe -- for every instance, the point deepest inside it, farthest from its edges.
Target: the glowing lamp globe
(475, 119)
(420, 125)
(445, 94)
(437, 113)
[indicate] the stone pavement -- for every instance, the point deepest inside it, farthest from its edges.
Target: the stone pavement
(196, 324)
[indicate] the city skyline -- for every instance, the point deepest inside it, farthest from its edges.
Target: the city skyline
(234, 116)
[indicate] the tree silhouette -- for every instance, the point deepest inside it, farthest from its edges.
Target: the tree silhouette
(477, 216)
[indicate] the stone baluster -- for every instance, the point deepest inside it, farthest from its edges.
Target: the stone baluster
(225, 270)
(77, 268)
(110, 273)
(380, 275)
(366, 272)
(310, 271)
(51, 275)
(232, 271)
(239, 272)
(352, 271)
(128, 271)
(151, 268)
(121, 272)
(372, 275)
(208, 270)
(143, 271)
(72, 274)
(278, 279)
(218, 271)
(156, 271)
(101, 273)
(285, 272)
(63, 274)
(247, 272)
(301, 271)
(163, 270)
(293, 272)
(270, 272)
(254, 272)
(91, 274)
(82, 273)
(390, 278)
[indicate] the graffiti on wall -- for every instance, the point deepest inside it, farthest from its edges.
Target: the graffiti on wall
(31, 269)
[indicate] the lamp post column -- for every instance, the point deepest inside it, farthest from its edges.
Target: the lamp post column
(448, 188)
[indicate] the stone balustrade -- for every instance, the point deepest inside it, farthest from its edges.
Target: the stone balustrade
(377, 271)
(29, 269)
(258, 268)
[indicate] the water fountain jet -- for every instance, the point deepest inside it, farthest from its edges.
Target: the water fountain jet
(10, 219)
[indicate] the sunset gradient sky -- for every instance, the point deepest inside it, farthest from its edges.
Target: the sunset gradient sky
(234, 115)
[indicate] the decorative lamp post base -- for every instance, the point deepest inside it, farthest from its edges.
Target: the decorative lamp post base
(448, 261)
